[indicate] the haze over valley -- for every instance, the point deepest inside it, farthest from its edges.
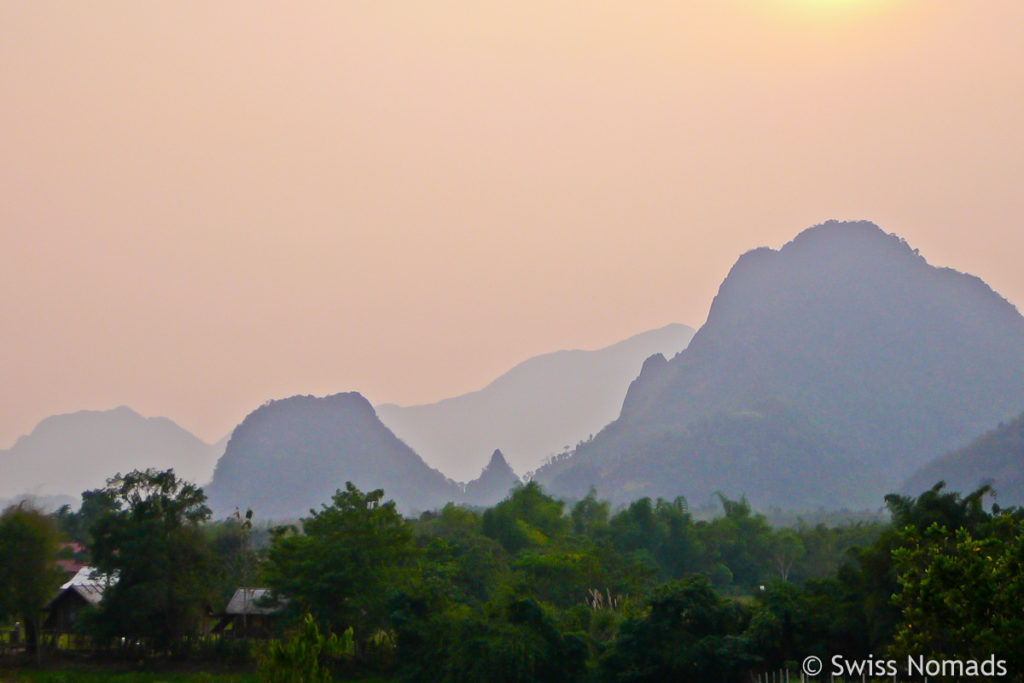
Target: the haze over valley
(829, 372)
(540, 407)
(544, 341)
(437, 207)
(534, 409)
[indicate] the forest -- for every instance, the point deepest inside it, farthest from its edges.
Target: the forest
(531, 589)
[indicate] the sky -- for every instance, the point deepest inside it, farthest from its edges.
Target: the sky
(208, 205)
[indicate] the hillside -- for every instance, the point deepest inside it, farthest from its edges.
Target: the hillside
(68, 454)
(290, 455)
(862, 347)
(532, 411)
(492, 485)
(996, 458)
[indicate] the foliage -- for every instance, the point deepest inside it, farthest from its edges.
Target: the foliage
(960, 593)
(790, 622)
(28, 574)
(77, 526)
(351, 554)
(459, 562)
(512, 641)
(530, 591)
(231, 545)
(305, 656)
(690, 634)
(590, 516)
(527, 518)
(151, 541)
(106, 676)
(868, 582)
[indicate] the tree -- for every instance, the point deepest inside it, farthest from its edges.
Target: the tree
(151, 541)
(689, 634)
(740, 541)
(960, 593)
(870, 579)
(341, 568)
(28, 572)
(527, 518)
(637, 528)
(77, 526)
(513, 640)
(232, 547)
(590, 515)
(786, 550)
(459, 562)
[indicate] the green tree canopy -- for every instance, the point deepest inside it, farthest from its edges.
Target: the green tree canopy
(960, 593)
(151, 541)
(527, 518)
(340, 569)
(29, 575)
(689, 634)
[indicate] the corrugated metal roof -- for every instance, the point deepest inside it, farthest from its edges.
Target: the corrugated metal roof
(90, 592)
(244, 602)
(87, 576)
(88, 584)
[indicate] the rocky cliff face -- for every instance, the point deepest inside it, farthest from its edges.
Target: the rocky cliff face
(868, 357)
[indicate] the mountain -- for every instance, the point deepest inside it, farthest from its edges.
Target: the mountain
(291, 455)
(493, 484)
(757, 453)
(996, 457)
(847, 343)
(68, 454)
(533, 411)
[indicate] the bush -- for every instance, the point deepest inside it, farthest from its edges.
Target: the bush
(306, 656)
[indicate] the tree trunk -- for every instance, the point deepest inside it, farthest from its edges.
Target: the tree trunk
(32, 644)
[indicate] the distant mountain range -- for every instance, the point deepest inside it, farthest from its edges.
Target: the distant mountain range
(826, 373)
(535, 410)
(995, 458)
(68, 454)
(540, 406)
(290, 456)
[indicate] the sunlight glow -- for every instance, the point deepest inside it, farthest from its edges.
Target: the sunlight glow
(831, 9)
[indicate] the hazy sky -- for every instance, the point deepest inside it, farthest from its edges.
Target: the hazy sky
(206, 205)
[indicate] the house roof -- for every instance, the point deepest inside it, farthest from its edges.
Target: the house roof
(89, 576)
(248, 601)
(92, 593)
(87, 583)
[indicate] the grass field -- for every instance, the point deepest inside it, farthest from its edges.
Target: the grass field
(102, 676)
(78, 676)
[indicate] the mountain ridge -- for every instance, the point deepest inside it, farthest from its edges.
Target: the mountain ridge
(995, 457)
(68, 453)
(290, 455)
(852, 330)
(533, 410)
(493, 484)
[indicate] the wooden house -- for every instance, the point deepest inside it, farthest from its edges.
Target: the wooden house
(249, 614)
(84, 590)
